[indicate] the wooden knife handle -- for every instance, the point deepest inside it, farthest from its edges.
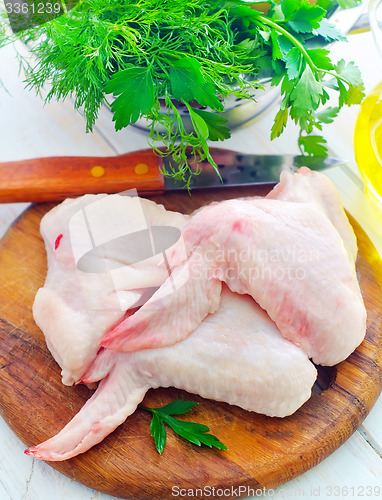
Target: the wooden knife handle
(56, 178)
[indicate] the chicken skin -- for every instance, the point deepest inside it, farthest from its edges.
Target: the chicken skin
(82, 299)
(294, 258)
(237, 355)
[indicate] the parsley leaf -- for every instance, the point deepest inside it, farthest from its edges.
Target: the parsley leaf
(328, 31)
(200, 125)
(289, 7)
(203, 132)
(217, 129)
(355, 94)
(320, 58)
(351, 74)
(313, 145)
(193, 432)
(348, 71)
(346, 4)
(276, 48)
(280, 122)
(293, 63)
(306, 17)
(327, 115)
(188, 84)
(158, 431)
(306, 93)
(135, 89)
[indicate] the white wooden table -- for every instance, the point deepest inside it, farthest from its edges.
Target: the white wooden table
(28, 129)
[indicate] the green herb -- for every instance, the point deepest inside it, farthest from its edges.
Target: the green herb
(191, 431)
(306, 74)
(146, 58)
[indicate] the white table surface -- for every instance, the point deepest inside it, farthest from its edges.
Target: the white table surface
(29, 129)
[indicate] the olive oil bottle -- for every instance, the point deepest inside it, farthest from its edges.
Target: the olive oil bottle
(368, 145)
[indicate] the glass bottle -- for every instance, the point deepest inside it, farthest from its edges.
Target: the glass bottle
(368, 128)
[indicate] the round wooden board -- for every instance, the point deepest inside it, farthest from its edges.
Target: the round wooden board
(263, 452)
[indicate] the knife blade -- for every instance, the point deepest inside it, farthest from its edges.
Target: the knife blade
(237, 169)
(57, 178)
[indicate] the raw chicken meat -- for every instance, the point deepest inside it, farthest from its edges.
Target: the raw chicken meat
(236, 355)
(312, 186)
(93, 275)
(293, 252)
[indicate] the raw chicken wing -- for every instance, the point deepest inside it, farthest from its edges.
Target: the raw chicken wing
(92, 282)
(288, 254)
(237, 355)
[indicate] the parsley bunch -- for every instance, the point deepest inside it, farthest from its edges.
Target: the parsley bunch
(144, 57)
(190, 431)
(305, 71)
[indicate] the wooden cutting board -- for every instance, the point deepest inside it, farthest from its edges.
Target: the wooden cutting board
(263, 452)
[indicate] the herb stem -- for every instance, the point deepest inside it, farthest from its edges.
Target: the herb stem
(291, 38)
(302, 49)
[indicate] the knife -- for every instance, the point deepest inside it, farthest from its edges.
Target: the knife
(57, 178)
